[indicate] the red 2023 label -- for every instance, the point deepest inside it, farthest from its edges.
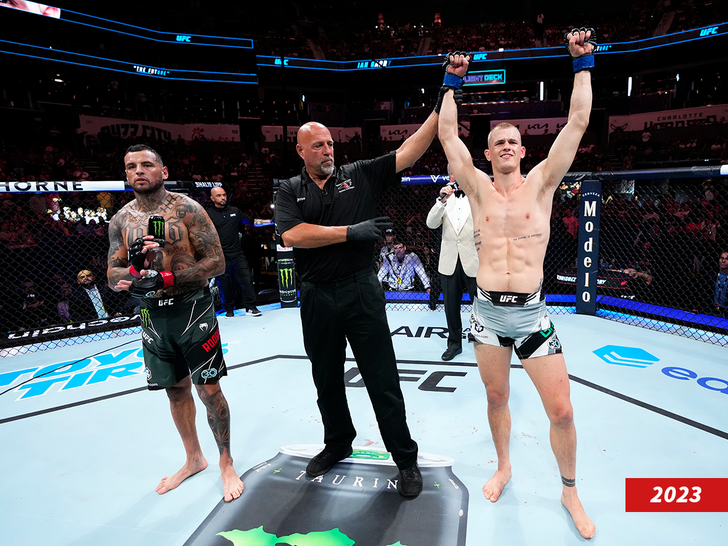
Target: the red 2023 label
(676, 495)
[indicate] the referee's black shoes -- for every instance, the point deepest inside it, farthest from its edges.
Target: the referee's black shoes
(451, 353)
(253, 311)
(410, 482)
(324, 461)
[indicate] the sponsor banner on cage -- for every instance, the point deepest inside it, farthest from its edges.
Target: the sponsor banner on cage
(49, 333)
(154, 131)
(46, 186)
(536, 126)
(683, 117)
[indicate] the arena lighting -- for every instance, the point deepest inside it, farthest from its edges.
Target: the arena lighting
(677, 77)
(629, 86)
(185, 40)
(540, 90)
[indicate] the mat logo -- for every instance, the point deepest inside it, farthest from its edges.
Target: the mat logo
(633, 357)
(86, 372)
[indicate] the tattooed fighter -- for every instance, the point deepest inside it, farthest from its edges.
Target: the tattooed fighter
(180, 333)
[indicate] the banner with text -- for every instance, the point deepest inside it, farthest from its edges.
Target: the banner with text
(153, 131)
(670, 118)
(274, 133)
(537, 126)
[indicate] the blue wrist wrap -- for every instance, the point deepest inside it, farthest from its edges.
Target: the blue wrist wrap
(453, 81)
(584, 62)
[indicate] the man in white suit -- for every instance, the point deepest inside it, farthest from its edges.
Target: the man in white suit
(458, 258)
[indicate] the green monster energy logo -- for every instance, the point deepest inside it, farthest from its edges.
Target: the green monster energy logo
(287, 278)
(158, 228)
(146, 320)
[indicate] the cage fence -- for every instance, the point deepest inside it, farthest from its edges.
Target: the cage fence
(660, 241)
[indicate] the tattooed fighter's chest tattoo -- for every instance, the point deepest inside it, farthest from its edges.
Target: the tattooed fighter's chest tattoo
(173, 210)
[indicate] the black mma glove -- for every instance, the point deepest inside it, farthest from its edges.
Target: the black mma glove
(450, 81)
(586, 61)
(369, 230)
(139, 260)
(147, 287)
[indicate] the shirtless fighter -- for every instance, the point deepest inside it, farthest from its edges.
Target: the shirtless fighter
(511, 221)
(180, 333)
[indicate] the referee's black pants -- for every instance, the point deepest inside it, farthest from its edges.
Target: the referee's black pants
(353, 309)
(452, 288)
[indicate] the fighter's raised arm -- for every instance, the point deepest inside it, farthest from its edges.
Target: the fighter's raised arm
(581, 44)
(458, 156)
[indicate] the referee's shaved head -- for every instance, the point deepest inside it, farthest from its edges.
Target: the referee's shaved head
(316, 148)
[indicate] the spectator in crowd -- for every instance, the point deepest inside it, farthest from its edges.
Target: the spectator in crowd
(90, 301)
(641, 281)
(229, 222)
(720, 299)
(399, 269)
(386, 249)
(34, 311)
(458, 264)
(63, 305)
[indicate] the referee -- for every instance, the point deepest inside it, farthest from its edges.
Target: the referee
(327, 214)
(228, 220)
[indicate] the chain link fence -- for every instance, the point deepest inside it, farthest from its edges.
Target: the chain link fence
(661, 240)
(660, 244)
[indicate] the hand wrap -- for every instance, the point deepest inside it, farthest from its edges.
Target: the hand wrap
(450, 81)
(138, 260)
(147, 287)
(586, 61)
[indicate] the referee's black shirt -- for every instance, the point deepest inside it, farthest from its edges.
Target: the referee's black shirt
(227, 223)
(349, 196)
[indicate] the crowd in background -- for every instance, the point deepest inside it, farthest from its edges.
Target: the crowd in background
(671, 231)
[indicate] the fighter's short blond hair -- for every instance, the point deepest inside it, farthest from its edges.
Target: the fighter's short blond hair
(502, 125)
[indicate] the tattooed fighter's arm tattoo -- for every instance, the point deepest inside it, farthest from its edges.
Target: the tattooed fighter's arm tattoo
(118, 265)
(206, 243)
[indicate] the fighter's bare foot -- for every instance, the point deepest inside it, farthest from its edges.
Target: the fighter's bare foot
(232, 485)
(189, 469)
(581, 521)
(494, 487)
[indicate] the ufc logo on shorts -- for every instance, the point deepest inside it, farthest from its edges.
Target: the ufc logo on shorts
(162, 303)
(508, 299)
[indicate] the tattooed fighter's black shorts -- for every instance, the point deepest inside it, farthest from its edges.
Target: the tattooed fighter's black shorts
(181, 337)
(512, 319)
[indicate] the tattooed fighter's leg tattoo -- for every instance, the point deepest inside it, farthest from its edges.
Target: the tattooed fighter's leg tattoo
(218, 415)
